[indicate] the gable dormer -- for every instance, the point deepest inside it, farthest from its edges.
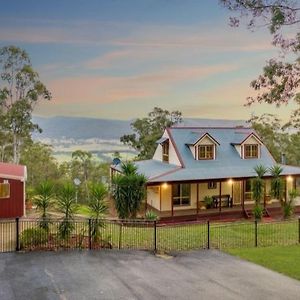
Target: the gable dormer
(203, 147)
(165, 150)
(250, 147)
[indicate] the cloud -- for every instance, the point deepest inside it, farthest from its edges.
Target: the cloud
(107, 89)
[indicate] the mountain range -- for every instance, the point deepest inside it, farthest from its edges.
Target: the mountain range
(86, 128)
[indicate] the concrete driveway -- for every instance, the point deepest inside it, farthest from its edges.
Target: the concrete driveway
(116, 274)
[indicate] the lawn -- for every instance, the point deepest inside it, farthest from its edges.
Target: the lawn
(283, 259)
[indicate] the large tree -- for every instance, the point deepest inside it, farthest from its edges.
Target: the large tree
(148, 130)
(280, 80)
(20, 90)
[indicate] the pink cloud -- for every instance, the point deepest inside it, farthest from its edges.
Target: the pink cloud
(105, 89)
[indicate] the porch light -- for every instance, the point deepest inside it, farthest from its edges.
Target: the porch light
(289, 178)
(164, 185)
(230, 181)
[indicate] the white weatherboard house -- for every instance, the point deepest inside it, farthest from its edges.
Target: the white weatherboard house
(191, 163)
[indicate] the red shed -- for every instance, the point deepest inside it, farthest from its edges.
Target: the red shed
(12, 190)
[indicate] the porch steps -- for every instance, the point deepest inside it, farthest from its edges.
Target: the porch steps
(249, 213)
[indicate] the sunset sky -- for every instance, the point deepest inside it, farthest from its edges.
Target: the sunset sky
(118, 59)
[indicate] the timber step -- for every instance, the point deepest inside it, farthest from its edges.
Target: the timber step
(249, 213)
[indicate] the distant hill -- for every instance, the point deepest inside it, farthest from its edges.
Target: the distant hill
(81, 128)
(86, 128)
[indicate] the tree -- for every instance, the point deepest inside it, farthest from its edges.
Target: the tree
(20, 91)
(148, 130)
(277, 184)
(98, 208)
(279, 83)
(40, 162)
(66, 202)
(128, 191)
(43, 200)
(83, 160)
(258, 190)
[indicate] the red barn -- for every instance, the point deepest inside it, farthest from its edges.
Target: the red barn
(12, 190)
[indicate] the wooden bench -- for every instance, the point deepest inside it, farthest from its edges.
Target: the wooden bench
(226, 201)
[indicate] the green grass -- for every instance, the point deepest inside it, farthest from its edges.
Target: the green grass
(83, 210)
(283, 259)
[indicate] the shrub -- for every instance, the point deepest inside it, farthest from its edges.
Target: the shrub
(33, 237)
(151, 215)
(258, 212)
(208, 201)
(288, 204)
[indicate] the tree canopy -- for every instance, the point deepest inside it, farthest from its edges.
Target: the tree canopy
(280, 80)
(148, 130)
(20, 90)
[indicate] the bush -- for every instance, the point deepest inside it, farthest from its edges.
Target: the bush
(151, 215)
(208, 201)
(258, 212)
(33, 237)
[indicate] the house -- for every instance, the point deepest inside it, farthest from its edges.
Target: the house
(12, 190)
(192, 165)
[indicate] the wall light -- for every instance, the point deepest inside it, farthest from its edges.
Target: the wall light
(289, 178)
(164, 185)
(230, 181)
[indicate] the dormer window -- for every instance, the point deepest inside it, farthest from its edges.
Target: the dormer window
(165, 151)
(205, 152)
(251, 151)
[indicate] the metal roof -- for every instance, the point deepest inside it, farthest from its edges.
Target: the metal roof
(12, 171)
(228, 163)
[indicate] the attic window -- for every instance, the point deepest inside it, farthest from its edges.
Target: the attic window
(165, 151)
(4, 190)
(205, 152)
(251, 151)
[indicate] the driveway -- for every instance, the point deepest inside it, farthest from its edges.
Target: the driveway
(113, 274)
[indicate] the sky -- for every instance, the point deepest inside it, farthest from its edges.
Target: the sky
(118, 59)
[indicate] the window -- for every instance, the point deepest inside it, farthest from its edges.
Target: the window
(248, 190)
(212, 185)
(251, 151)
(181, 194)
(206, 152)
(165, 151)
(4, 190)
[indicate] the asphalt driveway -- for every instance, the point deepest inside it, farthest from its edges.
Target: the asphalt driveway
(116, 274)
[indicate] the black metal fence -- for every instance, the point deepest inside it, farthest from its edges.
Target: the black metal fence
(34, 234)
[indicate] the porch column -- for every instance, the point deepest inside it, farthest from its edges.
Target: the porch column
(243, 195)
(220, 195)
(172, 205)
(197, 185)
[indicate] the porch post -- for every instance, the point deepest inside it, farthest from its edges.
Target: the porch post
(172, 204)
(220, 194)
(197, 185)
(243, 195)
(160, 196)
(146, 200)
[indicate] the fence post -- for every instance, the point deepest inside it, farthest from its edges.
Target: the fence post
(90, 234)
(120, 235)
(155, 236)
(299, 230)
(208, 235)
(17, 235)
(256, 233)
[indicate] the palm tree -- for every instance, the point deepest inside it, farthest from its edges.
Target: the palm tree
(43, 199)
(128, 191)
(277, 184)
(98, 207)
(66, 202)
(258, 190)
